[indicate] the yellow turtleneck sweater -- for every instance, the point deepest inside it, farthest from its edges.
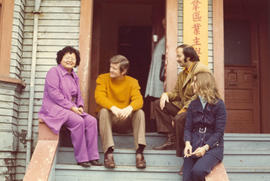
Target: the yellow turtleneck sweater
(119, 93)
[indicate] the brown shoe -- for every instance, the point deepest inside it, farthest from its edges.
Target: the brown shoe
(84, 164)
(140, 162)
(95, 163)
(181, 171)
(166, 146)
(109, 161)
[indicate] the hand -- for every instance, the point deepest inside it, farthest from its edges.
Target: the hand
(188, 149)
(173, 123)
(116, 111)
(81, 110)
(76, 110)
(163, 99)
(126, 112)
(199, 152)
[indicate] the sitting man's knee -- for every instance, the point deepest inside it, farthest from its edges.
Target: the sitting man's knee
(104, 111)
(139, 112)
(157, 103)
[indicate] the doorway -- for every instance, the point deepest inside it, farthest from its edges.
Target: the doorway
(127, 28)
(245, 31)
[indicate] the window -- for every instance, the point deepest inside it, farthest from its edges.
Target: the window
(6, 21)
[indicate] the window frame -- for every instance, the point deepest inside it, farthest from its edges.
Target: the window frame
(6, 23)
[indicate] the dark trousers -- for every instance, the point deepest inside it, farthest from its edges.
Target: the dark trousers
(165, 117)
(196, 169)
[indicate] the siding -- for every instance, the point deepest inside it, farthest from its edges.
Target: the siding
(9, 102)
(10, 99)
(58, 27)
(210, 30)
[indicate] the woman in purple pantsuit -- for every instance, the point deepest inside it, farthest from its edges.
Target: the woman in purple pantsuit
(63, 105)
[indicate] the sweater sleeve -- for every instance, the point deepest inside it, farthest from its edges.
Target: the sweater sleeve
(52, 83)
(101, 95)
(136, 97)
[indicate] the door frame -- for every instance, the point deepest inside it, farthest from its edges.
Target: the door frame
(85, 45)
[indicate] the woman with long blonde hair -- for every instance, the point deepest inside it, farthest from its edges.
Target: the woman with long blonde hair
(204, 129)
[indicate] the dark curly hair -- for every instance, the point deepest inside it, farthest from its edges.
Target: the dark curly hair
(68, 49)
(190, 52)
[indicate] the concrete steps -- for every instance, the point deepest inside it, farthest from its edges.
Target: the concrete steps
(246, 157)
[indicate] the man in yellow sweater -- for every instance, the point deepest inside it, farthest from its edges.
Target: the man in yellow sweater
(120, 101)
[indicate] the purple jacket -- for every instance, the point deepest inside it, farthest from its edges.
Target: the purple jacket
(57, 97)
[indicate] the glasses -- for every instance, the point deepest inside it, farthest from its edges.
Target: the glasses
(69, 58)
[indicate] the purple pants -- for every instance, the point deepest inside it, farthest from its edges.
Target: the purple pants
(84, 136)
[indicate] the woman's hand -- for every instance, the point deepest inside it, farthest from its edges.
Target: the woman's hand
(77, 110)
(163, 99)
(81, 110)
(188, 149)
(200, 152)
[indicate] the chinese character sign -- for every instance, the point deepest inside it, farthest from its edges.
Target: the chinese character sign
(195, 31)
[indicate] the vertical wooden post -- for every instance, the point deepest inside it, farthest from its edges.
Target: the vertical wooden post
(86, 19)
(218, 41)
(171, 43)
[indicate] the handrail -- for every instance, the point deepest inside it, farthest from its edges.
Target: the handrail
(42, 160)
(217, 173)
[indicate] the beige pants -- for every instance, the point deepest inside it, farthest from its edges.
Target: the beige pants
(108, 123)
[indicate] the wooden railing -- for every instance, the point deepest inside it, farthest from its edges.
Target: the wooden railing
(218, 173)
(41, 164)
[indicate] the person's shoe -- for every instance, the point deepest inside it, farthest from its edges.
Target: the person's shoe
(95, 163)
(84, 164)
(109, 161)
(166, 146)
(140, 162)
(181, 171)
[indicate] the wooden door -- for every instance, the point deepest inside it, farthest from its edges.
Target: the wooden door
(242, 99)
(242, 85)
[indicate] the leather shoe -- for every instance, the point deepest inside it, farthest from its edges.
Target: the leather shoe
(84, 164)
(181, 171)
(95, 163)
(166, 146)
(140, 162)
(109, 161)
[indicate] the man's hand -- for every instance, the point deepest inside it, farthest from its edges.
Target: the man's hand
(188, 149)
(126, 112)
(76, 110)
(116, 111)
(163, 99)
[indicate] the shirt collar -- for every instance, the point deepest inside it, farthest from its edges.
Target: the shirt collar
(64, 72)
(188, 69)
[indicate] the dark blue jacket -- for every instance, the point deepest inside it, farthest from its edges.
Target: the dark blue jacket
(213, 117)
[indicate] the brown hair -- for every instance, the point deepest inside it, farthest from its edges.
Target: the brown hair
(206, 87)
(122, 60)
(189, 52)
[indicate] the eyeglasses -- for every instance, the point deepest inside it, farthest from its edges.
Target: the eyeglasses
(69, 58)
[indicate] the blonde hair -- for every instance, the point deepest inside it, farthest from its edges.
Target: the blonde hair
(206, 87)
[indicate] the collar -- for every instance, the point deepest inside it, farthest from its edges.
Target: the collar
(187, 70)
(64, 72)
